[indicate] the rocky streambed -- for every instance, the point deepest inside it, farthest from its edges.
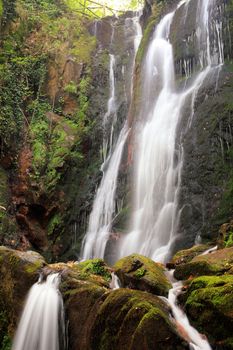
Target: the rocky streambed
(136, 315)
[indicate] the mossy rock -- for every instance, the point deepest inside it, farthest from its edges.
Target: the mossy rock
(215, 263)
(18, 270)
(225, 238)
(131, 320)
(209, 305)
(138, 272)
(186, 255)
(81, 305)
(74, 274)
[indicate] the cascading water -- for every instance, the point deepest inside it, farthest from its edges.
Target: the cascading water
(115, 282)
(159, 159)
(101, 217)
(42, 316)
(111, 113)
(104, 205)
(196, 341)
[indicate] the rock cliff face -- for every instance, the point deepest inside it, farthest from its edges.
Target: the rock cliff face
(52, 120)
(206, 184)
(51, 147)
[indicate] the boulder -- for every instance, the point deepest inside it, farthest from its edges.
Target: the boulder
(138, 272)
(208, 303)
(18, 270)
(133, 320)
(186, 255)
(216, 263)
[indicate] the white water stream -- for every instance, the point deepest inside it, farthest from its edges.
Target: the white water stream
(195, 339)
(159, 159)
(115, 282)
(39, 324)
(101, 217)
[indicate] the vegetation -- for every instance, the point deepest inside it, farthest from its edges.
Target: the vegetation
(96, 267)
(102, 8)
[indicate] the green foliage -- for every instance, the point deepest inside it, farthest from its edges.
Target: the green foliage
(96, 267)
(21, 78)
(229, 241)
(54, 223)
(6, 343)
(226, 204)
(7, 11)
(4, 339)
(83, 98)
(71, 88)
(101, 8)
(1, 8)
(140, 273)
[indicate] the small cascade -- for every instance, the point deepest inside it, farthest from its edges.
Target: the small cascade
(195, 339)
(99, 228)
(42, 318)
(104, 207)
(111, 114)
(159, 159)
(210, 250)
(115, 283)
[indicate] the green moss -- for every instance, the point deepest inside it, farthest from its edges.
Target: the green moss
(6, 343)
(209, 304)
(71, 88)
(54, 224)
(185, 256)
(35, 267)
(157, 9)
(197, 268)
(229, 240)
(1, 8)
(142, 273)
(95, 266)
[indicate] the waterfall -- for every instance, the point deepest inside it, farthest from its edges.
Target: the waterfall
(115, 282)
(100, 220)
(101, 217)
(110, 115)
(43, 312)
(159, 158)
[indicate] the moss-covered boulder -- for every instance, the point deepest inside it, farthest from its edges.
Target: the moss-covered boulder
(225, 238)
(138, 272)
(82, 302)
(18, 270)
(209, 305)
(101, 319)
(216, 263)
(186, 255)
(135, 320)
